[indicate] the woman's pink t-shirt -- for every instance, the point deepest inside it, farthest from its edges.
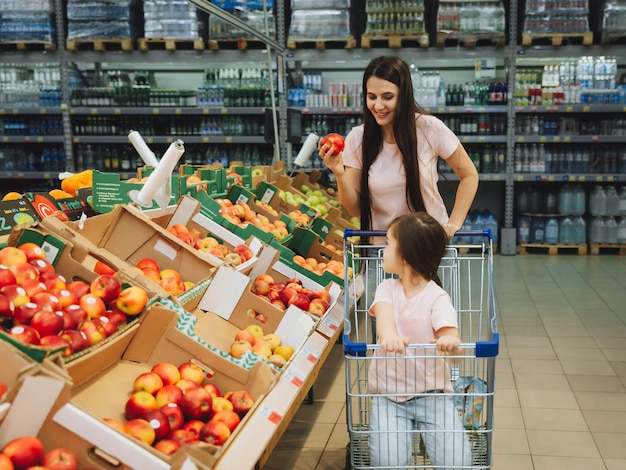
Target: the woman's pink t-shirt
(417, 318)
(387, 178)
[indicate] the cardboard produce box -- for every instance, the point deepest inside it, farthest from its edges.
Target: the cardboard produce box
(241, 308)
(271, 263)
(75, 261)
(47, 388)
(16, 367)
(187, 213)
(106, 391)
(268, 193)
(213, 209)
(131, 236)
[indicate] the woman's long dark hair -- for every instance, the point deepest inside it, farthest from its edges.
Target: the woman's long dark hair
(422, 243)
(396, 71)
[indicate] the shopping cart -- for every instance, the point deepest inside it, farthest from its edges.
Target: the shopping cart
(466, 274)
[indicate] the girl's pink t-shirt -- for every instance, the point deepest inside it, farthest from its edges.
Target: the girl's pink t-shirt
(387, 180)
(419, 370)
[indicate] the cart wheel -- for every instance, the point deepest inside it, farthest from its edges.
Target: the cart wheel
(348, 459)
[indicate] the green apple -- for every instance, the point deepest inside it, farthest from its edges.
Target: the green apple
(313, 200)
(304, 189)
(321, 209)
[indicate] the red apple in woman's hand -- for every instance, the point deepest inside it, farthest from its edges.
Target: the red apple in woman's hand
(335, 141)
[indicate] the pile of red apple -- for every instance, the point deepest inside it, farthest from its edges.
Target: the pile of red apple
(242, 214)
(169, 279)
(208, 244)
(28, 452)
(269, 346)
(38, 306)
(291, 292)
(171, 406)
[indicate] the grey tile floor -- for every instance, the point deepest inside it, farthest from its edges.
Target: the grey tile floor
(561, 373)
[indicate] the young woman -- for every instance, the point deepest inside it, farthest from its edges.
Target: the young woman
(412, 385)
(389, 164)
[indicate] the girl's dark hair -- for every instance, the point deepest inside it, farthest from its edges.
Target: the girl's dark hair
(422, 243)
(396, 71)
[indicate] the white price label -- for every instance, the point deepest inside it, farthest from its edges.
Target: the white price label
(310, 353)
(267, 196)
(270, 414)
(295, 376)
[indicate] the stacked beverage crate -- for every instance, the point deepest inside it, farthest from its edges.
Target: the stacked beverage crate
(613, 20)
(397, 21)
(27, 21)
(470, 21)
(172, 19)
(250, 12)
(394, 17)
(322, 20)
(556, 19)
(102, 19)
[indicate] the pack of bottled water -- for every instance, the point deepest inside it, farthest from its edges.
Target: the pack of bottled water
(320, 19)
(556, 16)
(220, 29)
(614, 17)
(102, 19)
(171, 19)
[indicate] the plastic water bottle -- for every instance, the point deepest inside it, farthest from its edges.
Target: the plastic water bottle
(534, 200)
(621, 231)
(610, 230)
(551, 202)
(578, 200)
(622, 200)
(478, 224)
(522, 200)
(492, 223)
(565, 196)
(523, 229)
(537, 230)
(597, 201)
(596, 234)
(552, 231)
(566, 228)
(580, 230)
(612, 201)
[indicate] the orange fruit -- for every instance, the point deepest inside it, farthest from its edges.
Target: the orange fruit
(59, 194)
(11, 196)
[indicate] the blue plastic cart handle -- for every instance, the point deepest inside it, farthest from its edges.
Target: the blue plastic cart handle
(483, 348)
(381, 233)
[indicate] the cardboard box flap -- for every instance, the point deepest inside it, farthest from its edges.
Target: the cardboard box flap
(46, 392)
(224, 292)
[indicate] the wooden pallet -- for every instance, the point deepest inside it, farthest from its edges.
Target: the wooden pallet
(598, 248)
(395, 41)
(159, 44)
(27, 46)
(103, 45)
(467, 249)
(235, 44)
(470, 40)
(556, 39)
(343, 42)
(526, 248)
(613, 38)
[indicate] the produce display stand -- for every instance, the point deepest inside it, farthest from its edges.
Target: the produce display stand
(282, 403)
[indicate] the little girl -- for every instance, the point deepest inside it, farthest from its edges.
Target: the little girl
(414, 383)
